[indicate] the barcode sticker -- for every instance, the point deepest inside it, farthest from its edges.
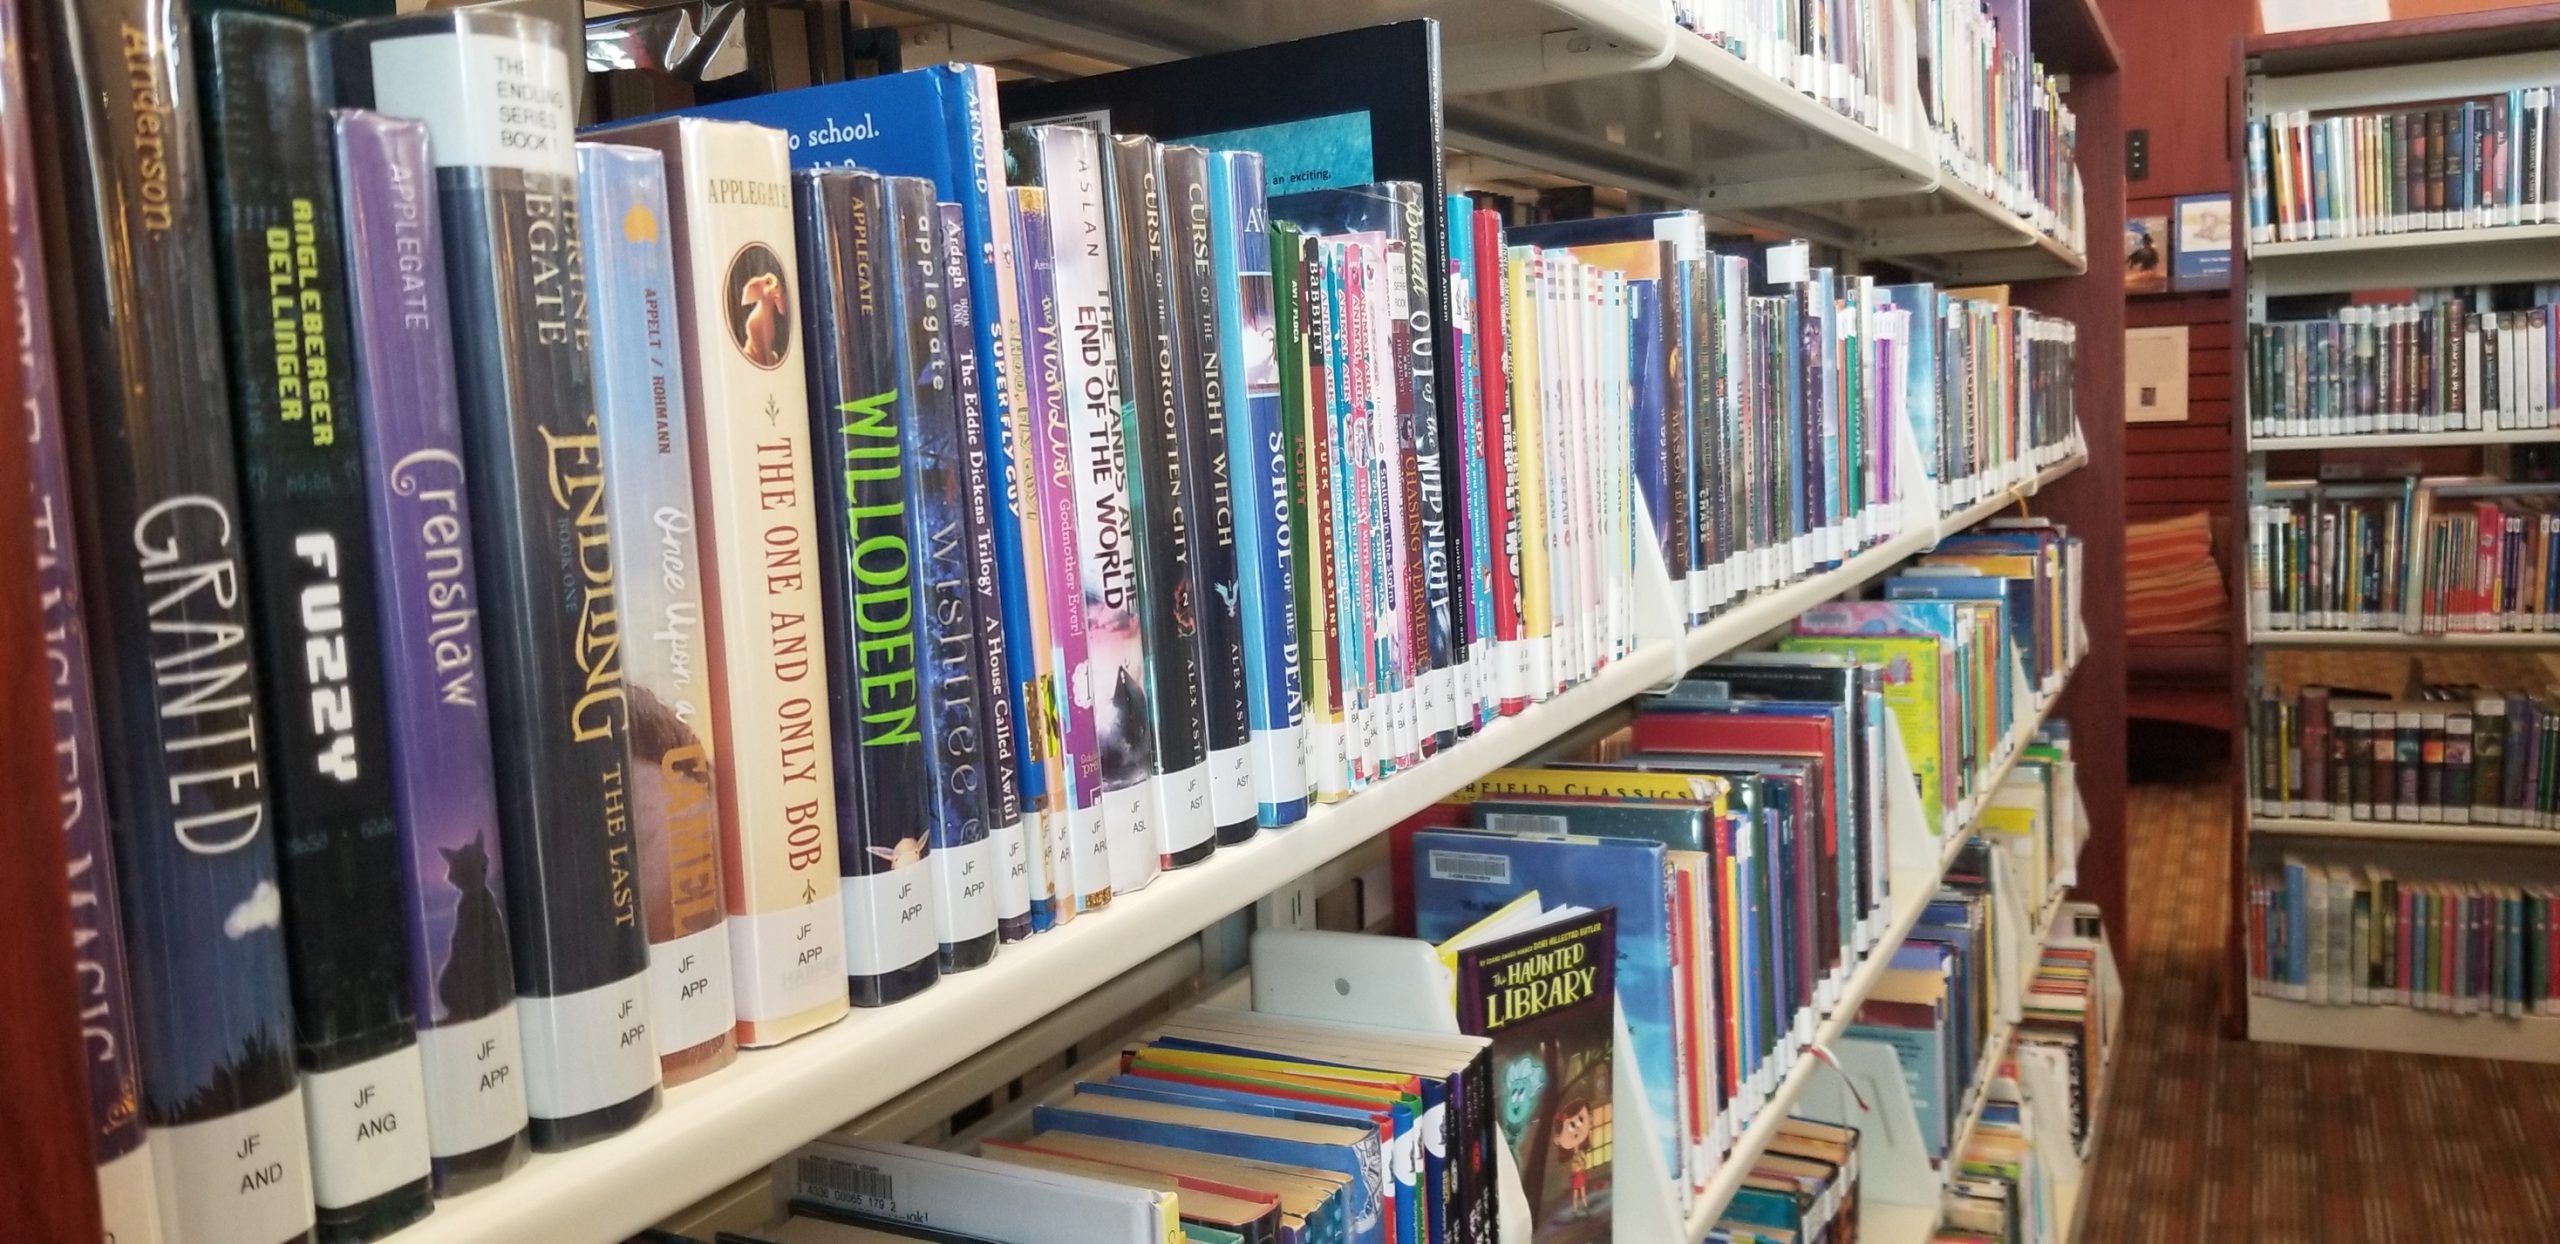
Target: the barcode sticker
(840, 1181)
(1470, 866)
(1524, 823)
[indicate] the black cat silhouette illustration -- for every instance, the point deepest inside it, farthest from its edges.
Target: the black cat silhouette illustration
(475, 979)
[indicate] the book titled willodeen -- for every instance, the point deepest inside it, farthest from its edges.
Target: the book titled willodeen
(849, 256)
(129, 260)
(729, 225)
(301, 434)
(648, 446)
(493, 87)
(437, 691)
(1546, 997)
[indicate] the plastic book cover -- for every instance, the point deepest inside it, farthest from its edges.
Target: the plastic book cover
(1546, 997)
(1298, 309)
(1346, 1150)
(1914, 690)
(447, 807)
(640, 401)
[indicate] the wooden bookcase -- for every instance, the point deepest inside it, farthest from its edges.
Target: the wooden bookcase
(2418, 60)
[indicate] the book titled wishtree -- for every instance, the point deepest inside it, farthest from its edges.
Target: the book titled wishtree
(1546, 996)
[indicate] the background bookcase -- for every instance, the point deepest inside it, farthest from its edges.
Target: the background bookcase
(2416, 61)
(1541, 93)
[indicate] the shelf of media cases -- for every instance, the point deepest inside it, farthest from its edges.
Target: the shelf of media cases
(2425, 259)
(2403, 831)
(2401, 440)
(2404, 1030)
(2403, 639)
(730, 1124)
(1911, 890)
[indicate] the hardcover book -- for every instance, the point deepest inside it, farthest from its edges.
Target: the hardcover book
(729, 226)
(648, 447)
(437, 691)
(867, 575)
(493, 88)
(129, 262)
(127, 1199)
(1547, 997)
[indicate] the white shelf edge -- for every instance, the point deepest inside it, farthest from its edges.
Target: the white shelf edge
(2401, 831)
(1912, 891)
(2400, 639)
(2400, 440)
(725, 1126)
(2399, 1029)
(2429, 239)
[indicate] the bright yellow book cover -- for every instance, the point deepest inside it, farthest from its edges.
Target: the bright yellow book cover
(1528, 405)
(1913, 690)
(1598, 784)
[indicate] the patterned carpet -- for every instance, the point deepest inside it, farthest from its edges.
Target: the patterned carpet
(2214, 1140)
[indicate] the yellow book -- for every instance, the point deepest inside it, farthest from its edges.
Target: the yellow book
(1526, 905)
(1914, 689)
(1596, 784)
(1528, 405)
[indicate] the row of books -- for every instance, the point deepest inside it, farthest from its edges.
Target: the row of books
(2479, 163)
(1936, 1006)
(2445, 361)
(1848, 54)
(2362, 935)
(2068, 1021)
(2439, 755)
(2418, 564)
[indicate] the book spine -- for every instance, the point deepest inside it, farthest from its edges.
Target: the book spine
(1212, 399)
(737, 283)
(1257, 454)
(1064, 712)
(1493, 269)
(128, 1201)
(1297, 310)
(494, 91)
(1163, 508)
(129, 264)
(938, 530)
(867, 571)
(1440, 612)
(1528, 406)
(319, 643)
(436, 690)
(1001, 749)
(640, 400)
(1023, 773)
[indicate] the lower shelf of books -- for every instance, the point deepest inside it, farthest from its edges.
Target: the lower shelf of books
(2403, 831)
(2402, 1030)
(2401, 440)
(2402, 639)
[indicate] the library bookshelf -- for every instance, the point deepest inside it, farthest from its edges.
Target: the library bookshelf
(2376, 66)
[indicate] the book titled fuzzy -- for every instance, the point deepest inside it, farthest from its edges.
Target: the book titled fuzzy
(128, 1202)
(494, 89)
(729, 225)
(155, 485)
(286, 320)
(437, 691)
(867, 573)
(648, 445)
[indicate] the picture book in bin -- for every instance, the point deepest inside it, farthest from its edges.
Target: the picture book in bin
(1543, 995)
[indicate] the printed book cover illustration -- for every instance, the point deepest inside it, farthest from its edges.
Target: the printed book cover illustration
(1546, 997)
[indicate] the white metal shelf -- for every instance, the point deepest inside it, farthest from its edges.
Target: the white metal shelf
(2406, 260)
(1911, 892)
(731, 1123)
(2402, 1030)
(2400, 440)
(2402, 831)
(2402, 639)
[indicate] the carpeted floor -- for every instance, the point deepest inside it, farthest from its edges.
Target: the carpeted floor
(2214, 1140)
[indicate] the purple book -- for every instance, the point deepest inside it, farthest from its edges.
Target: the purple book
(125, 1192)
(438, 701)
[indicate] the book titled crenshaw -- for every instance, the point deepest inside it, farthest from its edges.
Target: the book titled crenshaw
(311, 571)
(493, 88)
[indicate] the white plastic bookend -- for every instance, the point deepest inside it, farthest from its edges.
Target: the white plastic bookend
(1661, 606)
(2013, 951)
(1645, 1199)
(1912, 834)
(1861, 1086)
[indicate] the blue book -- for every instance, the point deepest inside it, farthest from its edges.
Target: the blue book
(1257, 455)
(1645, 318)
(1462, 876)
(2025, 634)
(1347, 1151)
(1467, 328)
(1920, 368)
(1399, 1168)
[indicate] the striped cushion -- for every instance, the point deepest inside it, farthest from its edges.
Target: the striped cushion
(2186, 598)
(2167, 544)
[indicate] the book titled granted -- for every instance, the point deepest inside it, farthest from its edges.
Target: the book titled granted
(648, 446)
(493, 87)
(154, 483)
(1546, 997)
(737, 295)
(127, 1199)
(437, 691)
(867, 577)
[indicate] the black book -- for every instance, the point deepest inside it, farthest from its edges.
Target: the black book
(862, 425)
(1162, 498)
(155, 491)
(1214, 570)
(296, 409)
(1430, 480)
(494, 88)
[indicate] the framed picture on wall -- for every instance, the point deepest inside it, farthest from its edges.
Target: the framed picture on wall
(2155, 374)
(2146, 254)
(2201, 257)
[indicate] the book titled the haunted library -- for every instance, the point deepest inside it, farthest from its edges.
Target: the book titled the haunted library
(493, 87)
(1547, 998)
(155, 487)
